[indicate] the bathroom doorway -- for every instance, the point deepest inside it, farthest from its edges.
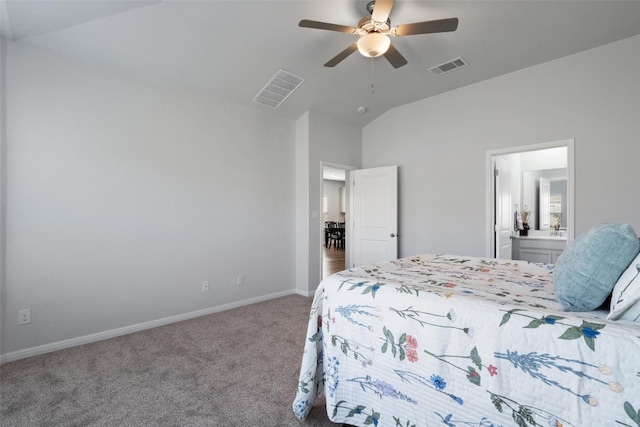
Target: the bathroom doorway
(528, 165)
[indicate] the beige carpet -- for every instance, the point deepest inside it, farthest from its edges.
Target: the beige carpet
(235, 368)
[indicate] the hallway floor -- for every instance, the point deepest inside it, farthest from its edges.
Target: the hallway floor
(332, 261)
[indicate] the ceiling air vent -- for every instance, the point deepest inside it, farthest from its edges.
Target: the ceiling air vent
(278, 89)
(454, 64)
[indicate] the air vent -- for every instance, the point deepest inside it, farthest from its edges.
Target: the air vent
(278, 89)
(454, 64)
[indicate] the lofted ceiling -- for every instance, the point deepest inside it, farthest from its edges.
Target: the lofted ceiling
(231, 49)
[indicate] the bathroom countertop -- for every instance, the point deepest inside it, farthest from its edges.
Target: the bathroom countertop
(542, 237)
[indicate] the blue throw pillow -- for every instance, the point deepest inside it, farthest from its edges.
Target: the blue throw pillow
(586, 272)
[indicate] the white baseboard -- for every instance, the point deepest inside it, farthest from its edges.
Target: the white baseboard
(305, 294)
(87, 339)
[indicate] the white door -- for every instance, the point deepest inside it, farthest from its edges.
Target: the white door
(544, 204)
(504, 223)
(375, 215)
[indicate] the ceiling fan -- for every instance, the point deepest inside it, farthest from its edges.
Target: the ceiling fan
(374, 32)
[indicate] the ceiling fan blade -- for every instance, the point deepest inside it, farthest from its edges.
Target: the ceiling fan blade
(381, 10)
(342, 55)
(394, 57)
(428, 27)
(326, 26)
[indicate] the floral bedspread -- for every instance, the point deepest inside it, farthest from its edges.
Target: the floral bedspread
(441, 340)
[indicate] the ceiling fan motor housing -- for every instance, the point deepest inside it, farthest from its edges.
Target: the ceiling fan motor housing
(367, 25)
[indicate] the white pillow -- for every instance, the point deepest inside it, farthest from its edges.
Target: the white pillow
(625, 299)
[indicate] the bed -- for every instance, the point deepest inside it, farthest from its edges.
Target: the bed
(447, 340)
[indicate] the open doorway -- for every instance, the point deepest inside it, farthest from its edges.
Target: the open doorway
(529, 211)
(334, 214)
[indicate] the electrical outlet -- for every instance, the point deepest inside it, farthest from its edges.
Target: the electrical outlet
(240, 280)
(24, 316)
(205, 286)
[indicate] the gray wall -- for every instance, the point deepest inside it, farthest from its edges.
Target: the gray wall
(331, 189)
(440, 145)
(319, 139)
(3, 186)
(123, 196)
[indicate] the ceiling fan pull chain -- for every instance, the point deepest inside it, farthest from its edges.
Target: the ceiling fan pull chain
(372, 86)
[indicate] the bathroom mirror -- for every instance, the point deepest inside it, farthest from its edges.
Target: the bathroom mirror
(544, 192)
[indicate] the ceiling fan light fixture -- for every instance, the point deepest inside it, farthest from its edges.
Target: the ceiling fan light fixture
(373, 45)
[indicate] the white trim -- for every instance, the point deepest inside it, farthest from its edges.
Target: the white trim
(100, 336)
(307, 294)
(490, 208)
(347, 213)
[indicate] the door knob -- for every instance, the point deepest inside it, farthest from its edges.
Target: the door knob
(393, 235)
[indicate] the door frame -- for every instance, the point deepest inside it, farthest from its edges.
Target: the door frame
(490, 190)
(498, 177)
(347, 212)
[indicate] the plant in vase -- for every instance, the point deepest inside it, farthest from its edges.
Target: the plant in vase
(525, 221)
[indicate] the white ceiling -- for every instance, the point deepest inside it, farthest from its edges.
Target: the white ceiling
(231, 49)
